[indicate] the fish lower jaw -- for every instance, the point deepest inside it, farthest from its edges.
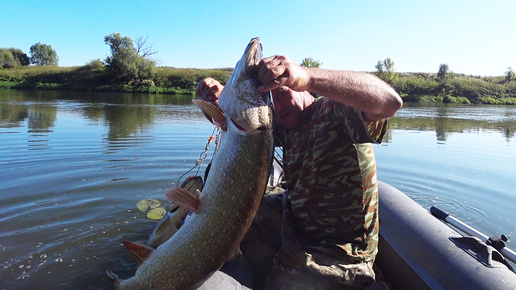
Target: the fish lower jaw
(242, 131)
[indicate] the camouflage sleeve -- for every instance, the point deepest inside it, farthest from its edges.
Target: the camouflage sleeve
(360, 131)
(377, 129)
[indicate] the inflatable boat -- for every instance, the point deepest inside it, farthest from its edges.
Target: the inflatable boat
(418, 250)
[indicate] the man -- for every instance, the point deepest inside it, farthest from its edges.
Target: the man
(323, 231)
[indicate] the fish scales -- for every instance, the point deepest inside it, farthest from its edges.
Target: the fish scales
(231, 195)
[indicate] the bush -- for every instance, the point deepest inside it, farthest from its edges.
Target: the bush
(94, 64)
(143, 86)
(12, 58)
(8, 84)
(416, 86)
(455, 100)
(490, 100)
(188, 78)
(47, 86)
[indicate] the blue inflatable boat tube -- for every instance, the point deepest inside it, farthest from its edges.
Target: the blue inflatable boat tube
(419, 251)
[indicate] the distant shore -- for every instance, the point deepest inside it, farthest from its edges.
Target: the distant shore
(413, 87)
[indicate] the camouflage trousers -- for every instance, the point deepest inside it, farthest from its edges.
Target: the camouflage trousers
(280, 261)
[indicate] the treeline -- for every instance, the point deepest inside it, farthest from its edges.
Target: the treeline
(94, 76)
(458, 88)
(129, 68)
(448, 87)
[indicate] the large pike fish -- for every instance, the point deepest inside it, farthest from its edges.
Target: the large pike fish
(232, 191)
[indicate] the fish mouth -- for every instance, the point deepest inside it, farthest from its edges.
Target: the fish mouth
(245, 129)
(245, 107)
(253, 55)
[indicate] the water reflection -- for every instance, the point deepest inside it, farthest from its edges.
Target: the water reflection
(129, 115)
(445, 119)
(12, 115)
(41, 117)
(125, 116)
(125, 121)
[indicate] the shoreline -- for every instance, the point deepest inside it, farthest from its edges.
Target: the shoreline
(412, 87)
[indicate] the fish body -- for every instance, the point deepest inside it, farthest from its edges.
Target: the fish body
(231, 194)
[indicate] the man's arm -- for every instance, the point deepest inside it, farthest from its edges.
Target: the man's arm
(363, 91)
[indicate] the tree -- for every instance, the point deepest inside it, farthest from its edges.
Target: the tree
(510, 75)
(43, 54)
(12, 57)
(142, 48)
(6, 59)
(124, 63)
(443, 72)
(385, 70)
(388, 65)
(310, 62)
(20, 56)
(379, 67)
(94, 64)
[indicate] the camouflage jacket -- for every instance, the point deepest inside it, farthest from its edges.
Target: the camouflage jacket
(331, 181)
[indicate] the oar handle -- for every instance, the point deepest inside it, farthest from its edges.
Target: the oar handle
(440, 214)
(446, 217)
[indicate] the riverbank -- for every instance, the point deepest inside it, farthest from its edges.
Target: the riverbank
(166, 80)
(413, 87)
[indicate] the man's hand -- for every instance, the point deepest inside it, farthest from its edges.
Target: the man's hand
(209, 90)
(277, 71)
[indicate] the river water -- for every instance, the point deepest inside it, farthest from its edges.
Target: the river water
(74, 165)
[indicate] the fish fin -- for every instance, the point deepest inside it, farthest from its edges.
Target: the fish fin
(192, 183)
(138, 251)
(113, 277)
(167, 226)
(213, 112)
(172, 207)
(184, 198)
(237, 253)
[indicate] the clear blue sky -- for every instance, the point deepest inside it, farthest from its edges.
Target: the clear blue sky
(472, 36)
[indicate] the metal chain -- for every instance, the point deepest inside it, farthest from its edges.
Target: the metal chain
(204, 154)
(200, 161)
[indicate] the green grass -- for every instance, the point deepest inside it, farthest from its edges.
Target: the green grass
(413, 87)
(420, 87)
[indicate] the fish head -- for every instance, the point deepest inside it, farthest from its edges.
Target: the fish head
(243, 104)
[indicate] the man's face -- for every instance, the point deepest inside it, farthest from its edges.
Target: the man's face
(288, 106)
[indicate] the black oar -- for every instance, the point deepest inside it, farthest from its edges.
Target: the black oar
(506, 252)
